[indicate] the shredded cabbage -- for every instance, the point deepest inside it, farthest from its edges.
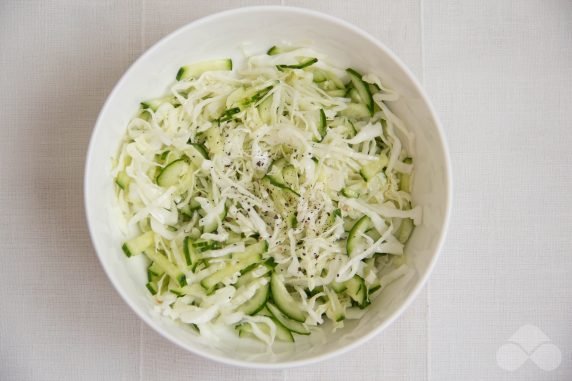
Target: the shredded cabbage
(286, 150)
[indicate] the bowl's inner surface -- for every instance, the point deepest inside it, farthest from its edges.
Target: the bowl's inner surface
(227, 35)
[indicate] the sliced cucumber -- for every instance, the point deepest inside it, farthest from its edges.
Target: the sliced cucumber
(212, 225)
(229, 114)
(290, 176)
(354, 190)
(172, 173)
(196, 69)
(362, 89)
(335, 310)
(336, 93)
(138, 244)
(292, 220)
(201, 149)
(357, 291)
(355, 240)
(257, 302)
(328, 80)
(405, 178)
(264, 110)
(214, 141)
(282, 333)
(284, 301)
(202, 246)
(291, 325)
(154, 104)
(338, 286)
(374, 167)
(152, 287)
(240, 261)
(405, 230)
(192, 257)
(322, 125)
(304, 63)
(354, 95)
(356, 111)
(276, 175)
(170, 269)
(122, 180)
(154, 270)
(248, 276)
(242, 98)
(274, 50)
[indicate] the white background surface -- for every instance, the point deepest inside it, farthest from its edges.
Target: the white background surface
(500, 76)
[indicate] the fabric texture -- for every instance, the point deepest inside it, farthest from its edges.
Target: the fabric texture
(499, 74)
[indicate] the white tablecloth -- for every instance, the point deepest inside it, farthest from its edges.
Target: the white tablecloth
(500, 75)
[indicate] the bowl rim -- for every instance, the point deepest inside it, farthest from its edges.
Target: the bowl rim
(410, 297)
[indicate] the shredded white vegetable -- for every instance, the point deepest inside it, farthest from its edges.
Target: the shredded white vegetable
(286, 170)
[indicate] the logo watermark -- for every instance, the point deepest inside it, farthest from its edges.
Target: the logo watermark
(529, 343)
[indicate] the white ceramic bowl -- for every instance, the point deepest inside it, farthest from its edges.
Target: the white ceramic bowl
(223, 35)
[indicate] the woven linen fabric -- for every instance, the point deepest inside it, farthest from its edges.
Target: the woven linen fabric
(499, 74)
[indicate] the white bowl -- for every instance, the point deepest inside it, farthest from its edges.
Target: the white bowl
(223, 35)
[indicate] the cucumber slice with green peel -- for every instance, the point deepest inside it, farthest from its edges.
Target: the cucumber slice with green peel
(338, 287)
(374, 167)
(356, 290)
(356, 111)
(292, 220)
(259, 247)
(264, 109)
(354, 95)
(138, 244)
(122, 180)
(319, 76)
(355, 240)
(196, 69)
(335, 310)
(405, 230)
(202, 246)
(192, 257)
(186, 211)
(155, 270)
(172, 173)
(240, 261)
(229, 114)
(354, 190)
(242, 98)
(405, 178)
(213, 224)
(291, 325)
(322, 125)
(274, 50)
(303, 64)
(152, 287)
(333, 81)
(362, 89)
(276, 174)
(284, 301)
(249, 276)
(169, 268)
(257, 302)
(373, 289)
(154, 104)
(201, 149)
(194, 205)
(282, 333)
(290, 176)
(214, 141)
(350, 193)
(337, 93)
